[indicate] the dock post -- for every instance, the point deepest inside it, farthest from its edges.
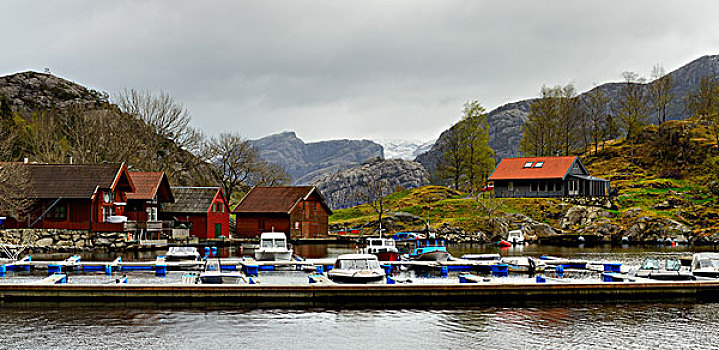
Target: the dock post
(214, 251)
(559, 270)
(390, 280)
(160, 270)
(108, 270)
(444, 271)
(207, 252)
(320, 269)
(500, 270)
(53, 269)
(3, 270)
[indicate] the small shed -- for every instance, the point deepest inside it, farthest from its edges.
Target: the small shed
(299, 211)
(203, 210)
(546, 177)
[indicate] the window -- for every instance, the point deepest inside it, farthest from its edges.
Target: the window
(57, 212)
(104, 214)
(533, 187)
(542, 186)
(539, 164)
(528, 165)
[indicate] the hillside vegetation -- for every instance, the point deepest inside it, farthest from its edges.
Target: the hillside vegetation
(665, 178)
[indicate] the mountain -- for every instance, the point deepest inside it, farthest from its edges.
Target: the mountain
(403, 149)
(506, 121)
(29, 92)
(307, 162)
(341, 189)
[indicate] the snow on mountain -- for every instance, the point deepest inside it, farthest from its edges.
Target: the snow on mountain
(404, 149)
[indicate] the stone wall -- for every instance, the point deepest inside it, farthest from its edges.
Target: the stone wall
(63, 240)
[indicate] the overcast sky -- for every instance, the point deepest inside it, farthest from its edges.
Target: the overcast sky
(349, 69)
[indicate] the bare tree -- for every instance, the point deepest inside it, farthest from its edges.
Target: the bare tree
(268, 174)
(660, 92)
(14, 187)
(233, 160)
(374, 192)
(596, 105)
(632, 109)
(704, 103)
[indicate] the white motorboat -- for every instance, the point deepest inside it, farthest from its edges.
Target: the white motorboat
(384, 248)
(706, 265)
(213, 274)
(524, 264)
(515, 237)
(357, 268)
(273, 247)
(671, 271)
(182, 253)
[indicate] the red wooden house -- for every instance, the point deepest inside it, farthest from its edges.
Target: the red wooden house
(299, 211)
(203, 210)
(77, 196)
(152, 190)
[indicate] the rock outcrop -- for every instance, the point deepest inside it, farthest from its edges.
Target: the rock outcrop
(28, 92)
(307, 162)
(341, 189)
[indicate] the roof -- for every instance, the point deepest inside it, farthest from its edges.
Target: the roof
(273, 235)
(191, 199)
(514, 168)
(281, 199)
(74, 181)
(147, 186)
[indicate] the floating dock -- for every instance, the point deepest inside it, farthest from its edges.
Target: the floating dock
(366, 296)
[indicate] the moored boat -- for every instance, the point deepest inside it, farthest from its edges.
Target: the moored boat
(384, 248)
(213, 274)
(524, 264)
(182, 253)
(515, 237)
(273, 247)
(706, 265)
(671, 271)
(430, 249)
(357, 268)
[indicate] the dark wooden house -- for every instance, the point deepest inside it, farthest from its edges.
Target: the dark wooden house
(546, 177)
(152, 191)
(300, 212)
(78, 196)
(203, 210)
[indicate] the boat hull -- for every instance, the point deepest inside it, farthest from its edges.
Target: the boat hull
(350, 278)
(388, 256)
(273, 256)
(221, 279)
(432, 256)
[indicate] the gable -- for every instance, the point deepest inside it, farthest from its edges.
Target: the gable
(278, 199)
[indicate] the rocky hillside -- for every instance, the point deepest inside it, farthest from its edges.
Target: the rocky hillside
(28, 92)
(306, 163)
(506, 121)
(668, 185)
(341, 189)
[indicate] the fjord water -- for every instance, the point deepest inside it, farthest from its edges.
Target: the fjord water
(583, 326)
(565, 325)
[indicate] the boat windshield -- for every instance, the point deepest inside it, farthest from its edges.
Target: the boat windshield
(650, 264)
(672, 265)
(177, 250)
(279, 243)
(266, 243)
(708, 263)
(358, 264)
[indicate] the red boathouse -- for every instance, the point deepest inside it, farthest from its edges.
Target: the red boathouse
(203, 210)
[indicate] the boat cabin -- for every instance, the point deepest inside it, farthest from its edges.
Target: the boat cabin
(273, 240)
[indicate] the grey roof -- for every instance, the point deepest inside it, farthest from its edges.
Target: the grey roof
(191, 199)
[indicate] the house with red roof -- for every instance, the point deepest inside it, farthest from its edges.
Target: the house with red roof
(89, 197)
(298, 211)
(152, 191)
(528, 177)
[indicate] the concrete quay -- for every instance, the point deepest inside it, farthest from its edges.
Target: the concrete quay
(362, 296)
